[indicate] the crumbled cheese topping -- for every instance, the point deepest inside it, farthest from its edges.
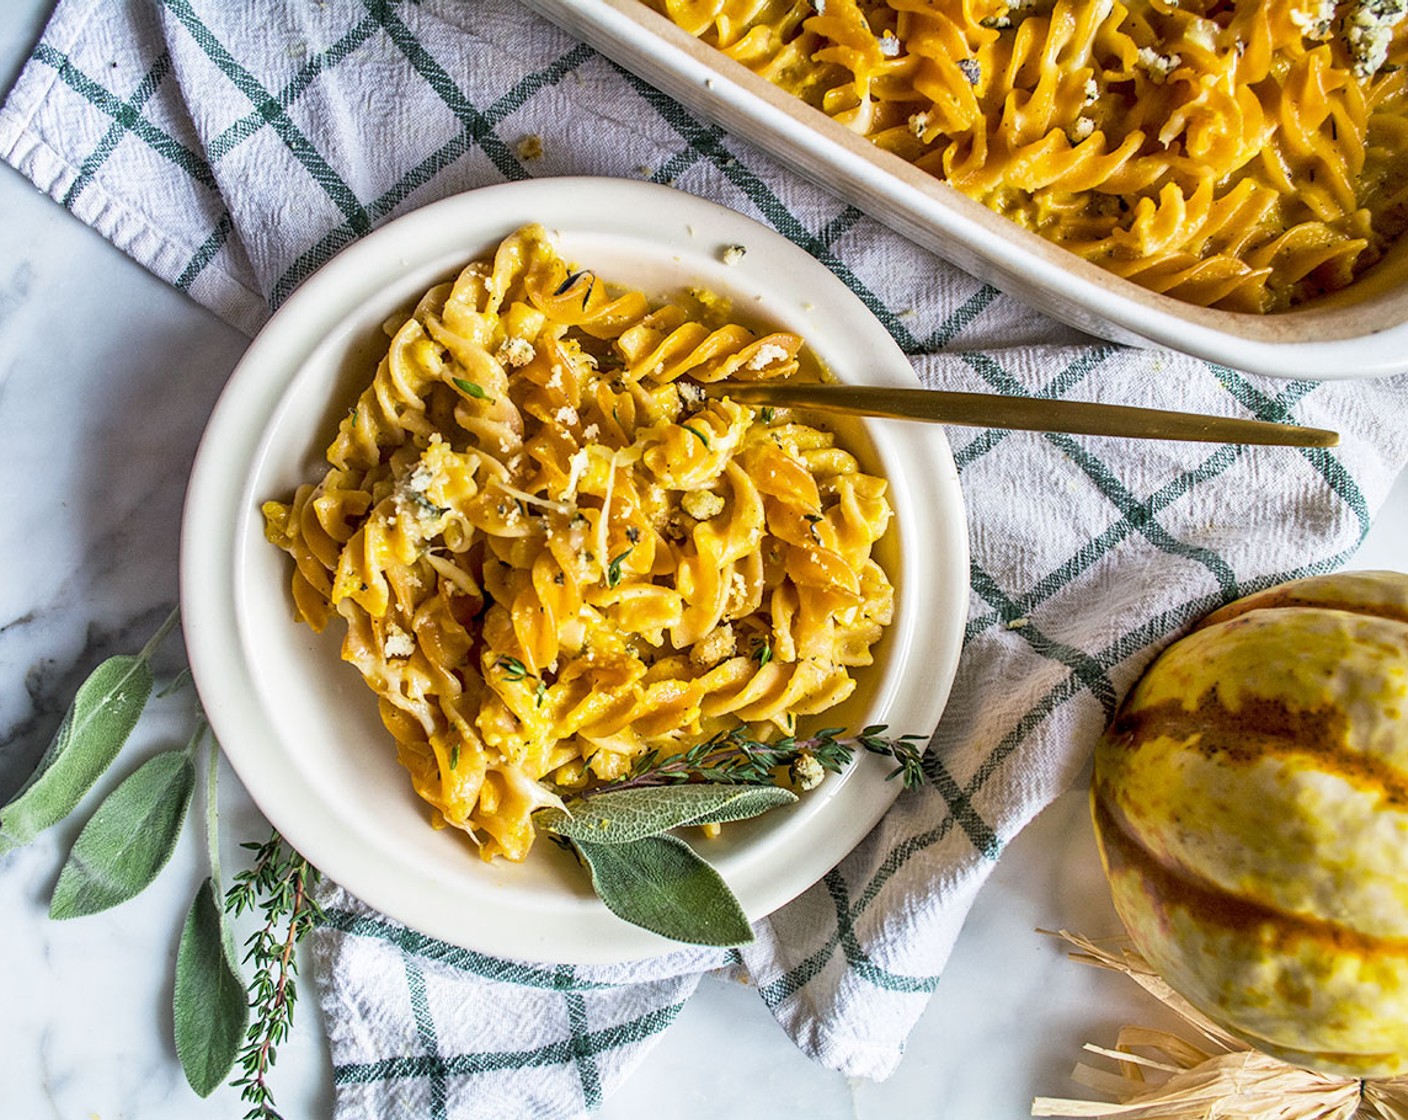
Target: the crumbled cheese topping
(1368, 32)
(716, 645)
(1092, 91)
(691, 393)
(702, 505)
(919, 124)
(397, 642)
(517, 352)
(591, 431)
(1159, 66)
(732, 254)
(1316, 23)
(972, 70)
(764, 356)
(889, 45)
(566, 416)
(1082, 129)
(807, 772)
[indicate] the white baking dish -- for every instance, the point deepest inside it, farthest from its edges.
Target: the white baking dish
(1362, 332)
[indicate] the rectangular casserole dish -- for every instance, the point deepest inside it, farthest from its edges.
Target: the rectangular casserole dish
(1360, 332)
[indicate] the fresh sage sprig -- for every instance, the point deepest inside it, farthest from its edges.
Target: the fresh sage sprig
(278, 885)
(650, 878)
(209, 1011)
(129, 839)
(130, 836)
(98, 722)
(621, 830)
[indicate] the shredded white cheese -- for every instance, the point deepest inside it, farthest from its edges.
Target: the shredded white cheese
(532, 499)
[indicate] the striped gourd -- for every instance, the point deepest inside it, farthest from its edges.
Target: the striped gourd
(1251, 803)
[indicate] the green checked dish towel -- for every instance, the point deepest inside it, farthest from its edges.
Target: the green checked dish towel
(234, 148)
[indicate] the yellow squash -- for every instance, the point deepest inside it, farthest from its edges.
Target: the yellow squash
(1251, 804)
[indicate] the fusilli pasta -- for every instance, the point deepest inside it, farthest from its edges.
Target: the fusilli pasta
(1230, 153)
(553, 554)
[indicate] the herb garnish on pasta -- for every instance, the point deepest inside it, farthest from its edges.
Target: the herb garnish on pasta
(556, 559)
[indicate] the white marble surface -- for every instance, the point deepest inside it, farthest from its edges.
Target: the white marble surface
(106, 377)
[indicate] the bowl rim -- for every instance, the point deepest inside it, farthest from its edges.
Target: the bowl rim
(1362, 332)
(222, 524)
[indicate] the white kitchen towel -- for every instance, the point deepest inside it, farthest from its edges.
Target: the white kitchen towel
(234, 148)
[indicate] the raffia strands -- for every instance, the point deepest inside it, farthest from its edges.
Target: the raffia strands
(1212, 1076)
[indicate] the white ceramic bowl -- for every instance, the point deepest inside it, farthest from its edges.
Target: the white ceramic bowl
(1361, 332)
(298, 724)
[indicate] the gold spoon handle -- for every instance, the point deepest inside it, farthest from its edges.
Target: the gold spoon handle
(1034, 414)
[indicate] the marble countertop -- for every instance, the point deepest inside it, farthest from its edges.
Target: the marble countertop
(106, 378)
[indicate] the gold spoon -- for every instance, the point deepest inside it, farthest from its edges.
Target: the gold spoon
(1033, 414)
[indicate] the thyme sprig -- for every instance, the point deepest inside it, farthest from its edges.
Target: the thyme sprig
(737, 757)
(278, 885)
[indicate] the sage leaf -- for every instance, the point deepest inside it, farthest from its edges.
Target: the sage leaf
(660, 884)
(209, 1006)
(627, 815)
(103, 713)
(128, 839)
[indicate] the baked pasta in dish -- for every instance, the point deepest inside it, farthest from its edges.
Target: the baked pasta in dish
(1236, 154)
(553, 554)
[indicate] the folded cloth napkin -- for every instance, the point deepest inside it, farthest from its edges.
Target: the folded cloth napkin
(232, 149)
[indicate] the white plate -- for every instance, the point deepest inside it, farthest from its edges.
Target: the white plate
(1361, 332)
(298, 724)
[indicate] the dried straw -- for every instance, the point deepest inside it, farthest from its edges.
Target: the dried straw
(1212, 1076)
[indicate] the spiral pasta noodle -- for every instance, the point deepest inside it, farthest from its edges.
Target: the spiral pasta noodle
(552, 554)
(1235, 154)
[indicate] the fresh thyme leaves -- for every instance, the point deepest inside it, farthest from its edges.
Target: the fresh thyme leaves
(613, 569)
(278, 885)
(455, 757)
(762, 651)
(566, 285)
(469, 388)
(696, 433)
(425, 504)
(514, 671)
(737, 758)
